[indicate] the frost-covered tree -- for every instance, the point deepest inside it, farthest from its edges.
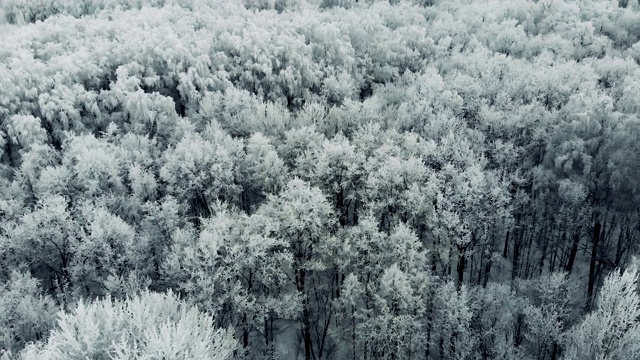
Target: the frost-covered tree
(497, 314)
(26, 314)
(263, 171)
(149, 325)
(202, 169)
(385, 286)
(453, 312)
(612, 330)
(233, 269)
(303, 219)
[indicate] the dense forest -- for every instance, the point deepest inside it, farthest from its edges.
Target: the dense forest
(319, 179)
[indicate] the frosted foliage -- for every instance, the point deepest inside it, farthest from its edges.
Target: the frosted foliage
(395, 289)
(263, 168)
(33, 162)
(571, 192)
(338, 88)
(109, 244)
(302, 213)
(25, 315)
(26, 130)
(630, 100)
(96, 164)
(453, 319)
(498, 308)
(143, 182)
(146, 326)
(338, 3)
(199, 167)
(337, 166)
(612, 331)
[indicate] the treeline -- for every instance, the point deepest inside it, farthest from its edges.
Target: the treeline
(321, 179)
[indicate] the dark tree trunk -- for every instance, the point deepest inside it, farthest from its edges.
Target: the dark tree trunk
(543, 257)
(554, 351)
(573, 253)
(528, 257)
(306, 321)
(245, 335)
(625, 234)
(595, 241)
(341, 208)
(427, 349)
(267, 343)
(487, 271)
(516, 259)
(505, 251)
(462, 259)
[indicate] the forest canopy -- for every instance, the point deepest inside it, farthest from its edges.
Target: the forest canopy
(319, 179)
